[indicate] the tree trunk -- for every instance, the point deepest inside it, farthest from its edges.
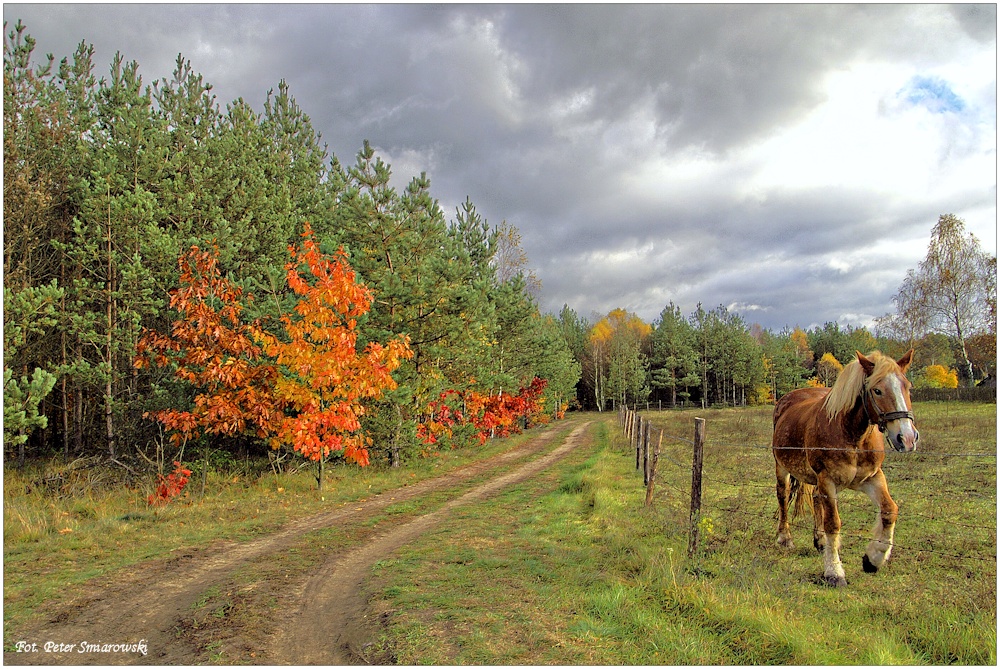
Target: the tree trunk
(394, 449)
(78, 420)
(65, 401)
(965, 354)
(597, 385)
(109, 385)
(204, 473)
(64, 383)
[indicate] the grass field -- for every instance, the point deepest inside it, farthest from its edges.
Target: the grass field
(571, 569)
(57, 540)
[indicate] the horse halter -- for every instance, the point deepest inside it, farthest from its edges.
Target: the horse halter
(883, 418)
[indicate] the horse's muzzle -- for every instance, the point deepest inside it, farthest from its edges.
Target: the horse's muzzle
(904, 438)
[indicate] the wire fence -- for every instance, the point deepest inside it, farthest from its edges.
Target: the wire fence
(656, 448)
(981, 393)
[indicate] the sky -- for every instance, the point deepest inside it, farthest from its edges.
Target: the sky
(787, 162)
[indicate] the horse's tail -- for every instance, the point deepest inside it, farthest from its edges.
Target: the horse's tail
(803, 493)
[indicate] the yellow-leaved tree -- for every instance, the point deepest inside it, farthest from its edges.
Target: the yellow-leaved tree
(937, 376)
(828, 369)
(618, 347)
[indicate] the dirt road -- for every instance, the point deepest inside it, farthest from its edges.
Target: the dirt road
(313, 614)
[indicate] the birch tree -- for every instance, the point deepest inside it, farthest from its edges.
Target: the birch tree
(952, 291)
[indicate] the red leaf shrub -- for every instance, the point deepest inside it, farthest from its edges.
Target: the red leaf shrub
(170, 486)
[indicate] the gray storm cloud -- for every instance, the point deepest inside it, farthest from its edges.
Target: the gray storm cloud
(626, 142)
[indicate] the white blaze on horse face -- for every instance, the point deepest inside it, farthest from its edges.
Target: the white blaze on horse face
(901, 433)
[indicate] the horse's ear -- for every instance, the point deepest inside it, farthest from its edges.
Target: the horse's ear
(905, 361)
(866, 364)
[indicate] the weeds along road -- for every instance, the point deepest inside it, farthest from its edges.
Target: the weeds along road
(292, 597)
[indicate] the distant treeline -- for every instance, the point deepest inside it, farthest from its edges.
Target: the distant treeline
(716, 358)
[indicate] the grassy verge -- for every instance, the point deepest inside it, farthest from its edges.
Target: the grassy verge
(569, 568)
(55, 544)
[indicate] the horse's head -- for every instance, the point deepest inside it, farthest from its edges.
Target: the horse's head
(887, 400)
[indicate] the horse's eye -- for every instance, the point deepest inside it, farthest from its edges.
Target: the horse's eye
(877, 391)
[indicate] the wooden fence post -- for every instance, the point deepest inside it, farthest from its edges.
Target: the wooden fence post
(645, 452)
(649, 447)
(696, 465)
(652, 471)
(636, 440)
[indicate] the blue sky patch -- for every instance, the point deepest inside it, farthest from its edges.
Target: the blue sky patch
(933, 93)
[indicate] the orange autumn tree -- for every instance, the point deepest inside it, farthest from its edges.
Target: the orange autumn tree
(305, 389)
(323, 381)
(213, 350)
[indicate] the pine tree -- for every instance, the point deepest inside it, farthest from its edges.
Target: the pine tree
(430, 283)
(39, 170)
(113, 292)
(673, 361)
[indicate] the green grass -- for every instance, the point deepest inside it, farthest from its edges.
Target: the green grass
(56, 540)
(571, 569)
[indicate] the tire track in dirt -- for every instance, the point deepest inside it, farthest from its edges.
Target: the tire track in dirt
(146, 602)
(329, 627)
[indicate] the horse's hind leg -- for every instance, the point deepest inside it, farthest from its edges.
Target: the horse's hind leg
(819, 534)
(886, 512)
(783, 491)
(826, 499)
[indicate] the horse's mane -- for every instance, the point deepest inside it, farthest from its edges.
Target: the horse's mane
(851, 382)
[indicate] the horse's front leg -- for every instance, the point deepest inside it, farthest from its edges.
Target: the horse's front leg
(886, 512)
(826, 503)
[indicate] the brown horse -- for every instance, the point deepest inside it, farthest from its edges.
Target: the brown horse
(826, 440)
